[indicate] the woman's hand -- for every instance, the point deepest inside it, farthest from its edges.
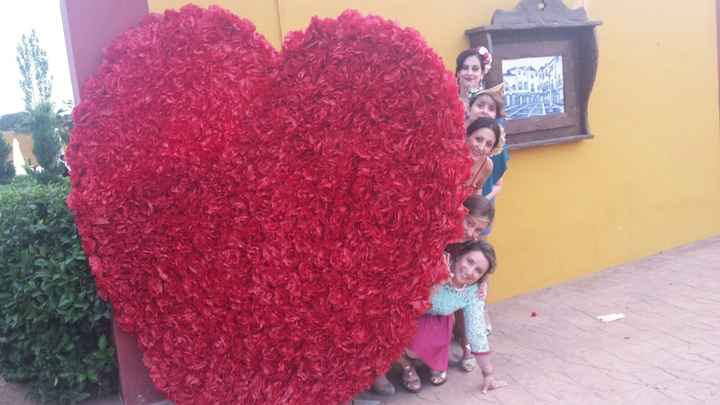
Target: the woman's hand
(496, 189)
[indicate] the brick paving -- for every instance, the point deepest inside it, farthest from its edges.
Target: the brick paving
(665, 350)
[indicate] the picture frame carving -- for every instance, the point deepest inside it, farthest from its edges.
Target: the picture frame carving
(546, 54)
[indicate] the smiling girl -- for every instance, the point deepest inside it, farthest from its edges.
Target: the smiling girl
(470, 264)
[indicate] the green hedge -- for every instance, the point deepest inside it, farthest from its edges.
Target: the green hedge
(54, 330)
(7, 169)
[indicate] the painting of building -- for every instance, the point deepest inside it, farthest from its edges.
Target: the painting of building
(533, 86)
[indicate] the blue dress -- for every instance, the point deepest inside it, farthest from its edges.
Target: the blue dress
(431, 342)
(499, 167)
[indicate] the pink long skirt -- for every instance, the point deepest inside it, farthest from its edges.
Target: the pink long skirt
(432, 340)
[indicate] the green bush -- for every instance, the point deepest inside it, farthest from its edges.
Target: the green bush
(7, 169)
(54, 330)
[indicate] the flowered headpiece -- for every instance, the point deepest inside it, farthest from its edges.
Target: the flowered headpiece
(498, 89)
(485, 58)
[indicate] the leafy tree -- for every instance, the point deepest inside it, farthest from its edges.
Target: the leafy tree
(63, 122)
(46, 142)
(49, 127)
(33, 63)
(17, 122)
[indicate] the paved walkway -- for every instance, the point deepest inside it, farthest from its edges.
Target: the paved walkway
(665, 351)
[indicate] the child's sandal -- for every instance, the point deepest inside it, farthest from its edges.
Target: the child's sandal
(438, 377)
(468, 363)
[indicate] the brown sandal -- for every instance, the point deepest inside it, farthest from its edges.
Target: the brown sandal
(409, 377)
(438, 377)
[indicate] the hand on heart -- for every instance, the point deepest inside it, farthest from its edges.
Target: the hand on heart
(269, 224)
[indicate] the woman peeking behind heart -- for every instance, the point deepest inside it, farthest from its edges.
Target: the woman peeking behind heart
(470, 265)
(481, 136)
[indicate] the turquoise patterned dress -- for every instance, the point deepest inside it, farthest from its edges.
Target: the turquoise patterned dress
(447, 299)
(431, 343)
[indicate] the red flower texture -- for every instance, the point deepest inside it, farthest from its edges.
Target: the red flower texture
(269, 224)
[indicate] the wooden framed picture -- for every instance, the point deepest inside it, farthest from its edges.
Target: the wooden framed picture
(546, 55)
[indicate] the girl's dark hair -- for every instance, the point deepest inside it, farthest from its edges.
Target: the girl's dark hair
(479, 206)
(464, 55)
(485, 122)
(458, 250)
(495, 97)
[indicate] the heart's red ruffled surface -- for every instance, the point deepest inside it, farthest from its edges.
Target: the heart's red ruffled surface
(269, 224)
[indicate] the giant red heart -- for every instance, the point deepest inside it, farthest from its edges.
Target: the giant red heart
(268, 224)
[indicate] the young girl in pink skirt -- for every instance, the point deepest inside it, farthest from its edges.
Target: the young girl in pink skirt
(470, 264)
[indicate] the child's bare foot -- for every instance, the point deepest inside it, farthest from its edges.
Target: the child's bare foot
(490, 383)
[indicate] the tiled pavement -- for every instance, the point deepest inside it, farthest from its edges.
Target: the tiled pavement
(665, 351)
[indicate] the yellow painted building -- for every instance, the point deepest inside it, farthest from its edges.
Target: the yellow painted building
(648, 181)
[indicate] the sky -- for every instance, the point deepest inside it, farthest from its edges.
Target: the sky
(18, 17)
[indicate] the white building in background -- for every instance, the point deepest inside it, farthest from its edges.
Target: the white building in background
(21, 154)
(18, 159)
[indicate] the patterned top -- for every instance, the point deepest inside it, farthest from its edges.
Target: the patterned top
(446, 300)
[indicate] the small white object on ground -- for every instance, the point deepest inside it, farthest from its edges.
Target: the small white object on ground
(610, 317)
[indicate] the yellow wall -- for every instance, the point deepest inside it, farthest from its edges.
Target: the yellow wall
(648, 181)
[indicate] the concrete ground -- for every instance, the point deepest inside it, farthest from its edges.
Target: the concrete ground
(665, 351)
